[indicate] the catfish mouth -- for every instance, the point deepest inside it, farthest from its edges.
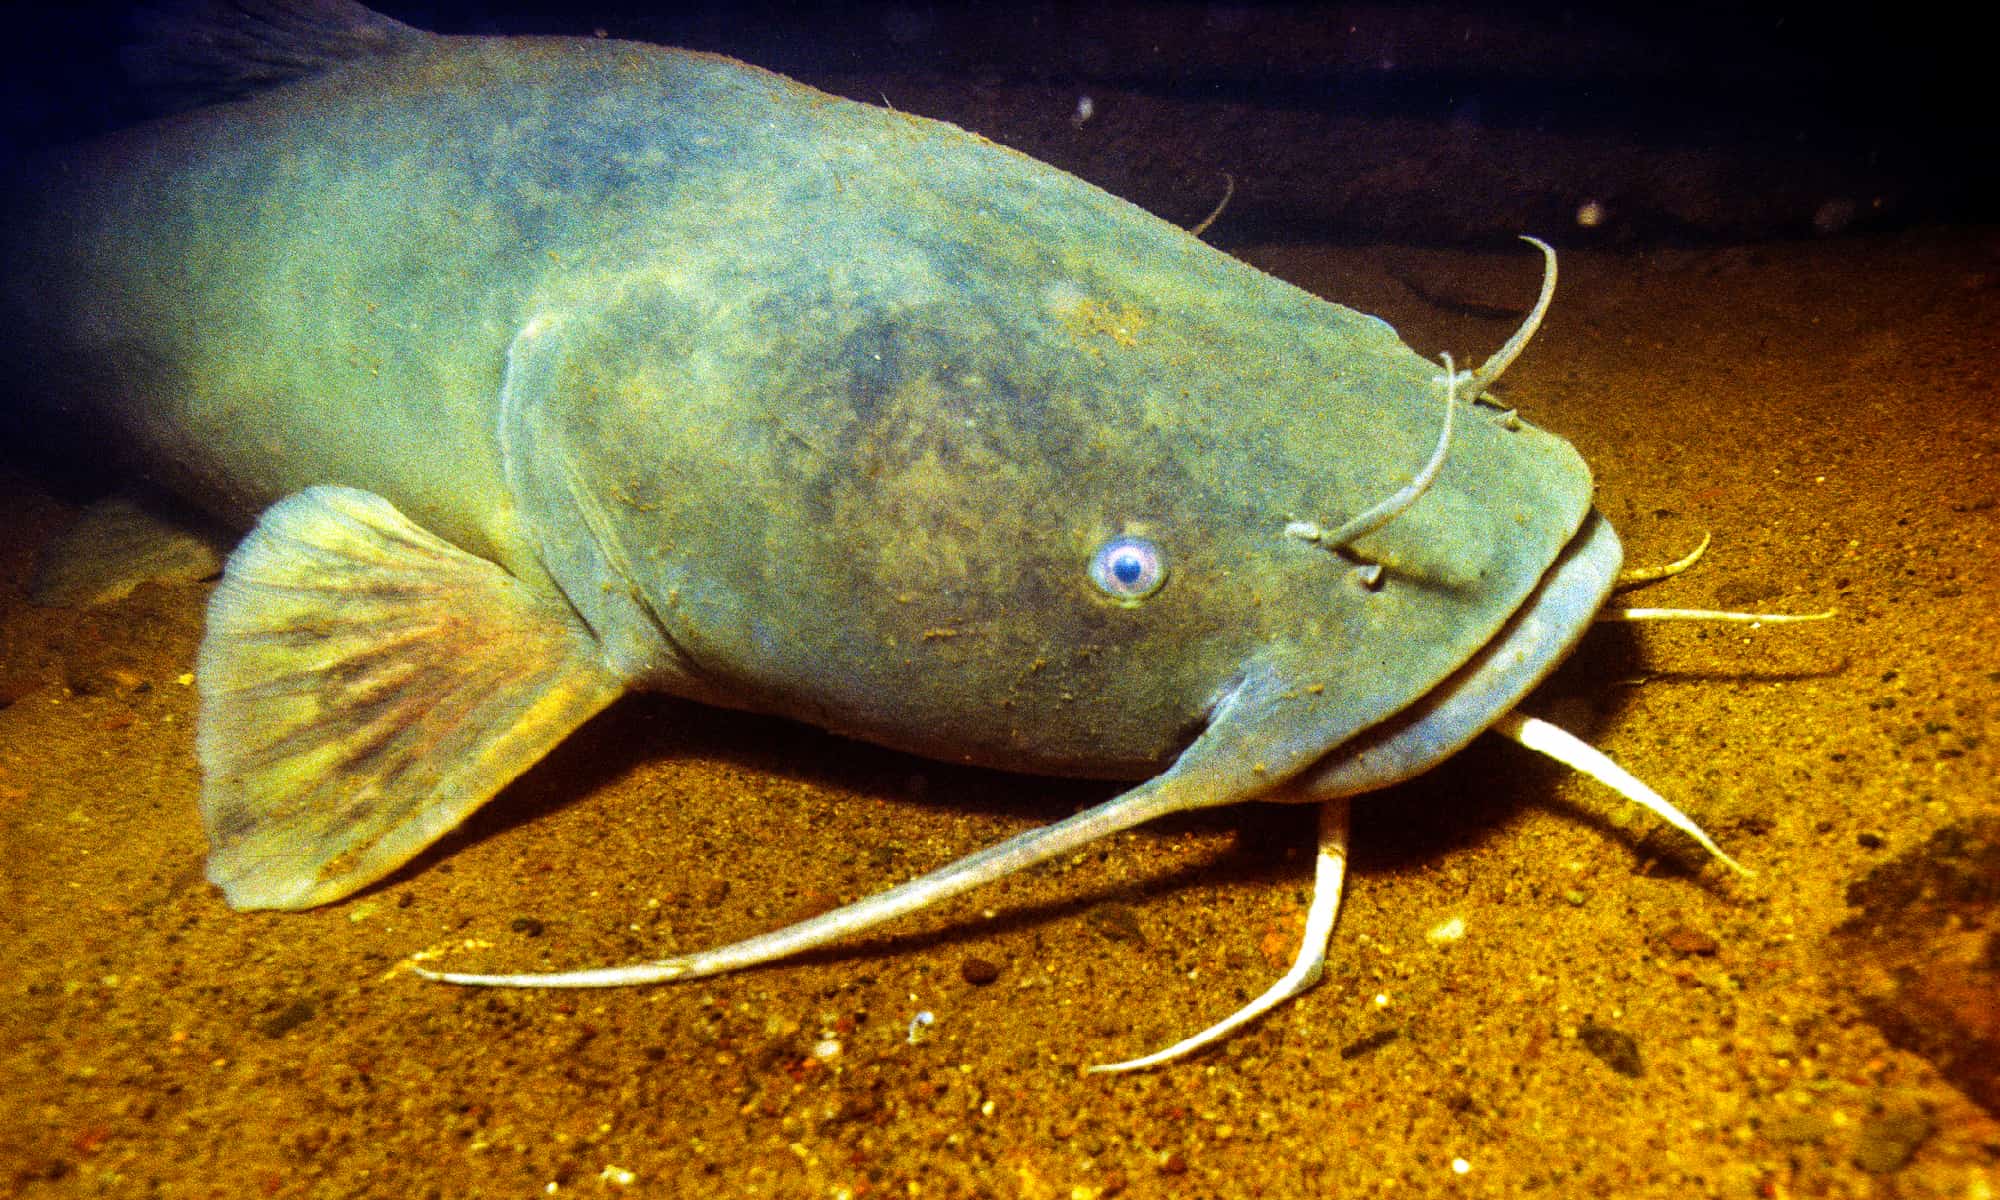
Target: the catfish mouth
(1519, 656)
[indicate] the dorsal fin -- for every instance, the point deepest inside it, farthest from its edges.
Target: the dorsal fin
(195, 52)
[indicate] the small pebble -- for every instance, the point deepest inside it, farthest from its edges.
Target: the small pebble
(1682, 940)
(1616, 1048)
(616, 1176)
(293, 1015)
(1446, 932)
(978, 971)
(1118, 923)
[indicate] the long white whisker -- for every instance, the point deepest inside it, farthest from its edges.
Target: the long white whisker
(1634, 576)
(1329, 871)
(1543, 738)
(1709, 614)
(1489, 371)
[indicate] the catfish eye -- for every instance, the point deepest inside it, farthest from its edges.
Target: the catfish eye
(1128, 569)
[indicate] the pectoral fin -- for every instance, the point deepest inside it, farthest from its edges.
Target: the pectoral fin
(364, 686)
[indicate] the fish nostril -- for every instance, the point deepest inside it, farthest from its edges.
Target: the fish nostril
(1363, 574)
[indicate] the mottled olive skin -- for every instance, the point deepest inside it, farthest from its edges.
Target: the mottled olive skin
(802, 405)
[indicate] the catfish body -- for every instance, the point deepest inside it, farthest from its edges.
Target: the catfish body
(561, 367)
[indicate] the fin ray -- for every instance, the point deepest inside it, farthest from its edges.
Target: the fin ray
(196, 52)
(364, 686)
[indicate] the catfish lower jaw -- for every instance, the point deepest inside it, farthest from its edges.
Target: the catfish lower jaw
(1537, 637)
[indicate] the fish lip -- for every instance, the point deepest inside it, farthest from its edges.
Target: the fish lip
(1538, 635)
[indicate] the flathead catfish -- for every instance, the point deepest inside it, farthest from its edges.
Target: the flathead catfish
(545, 369)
